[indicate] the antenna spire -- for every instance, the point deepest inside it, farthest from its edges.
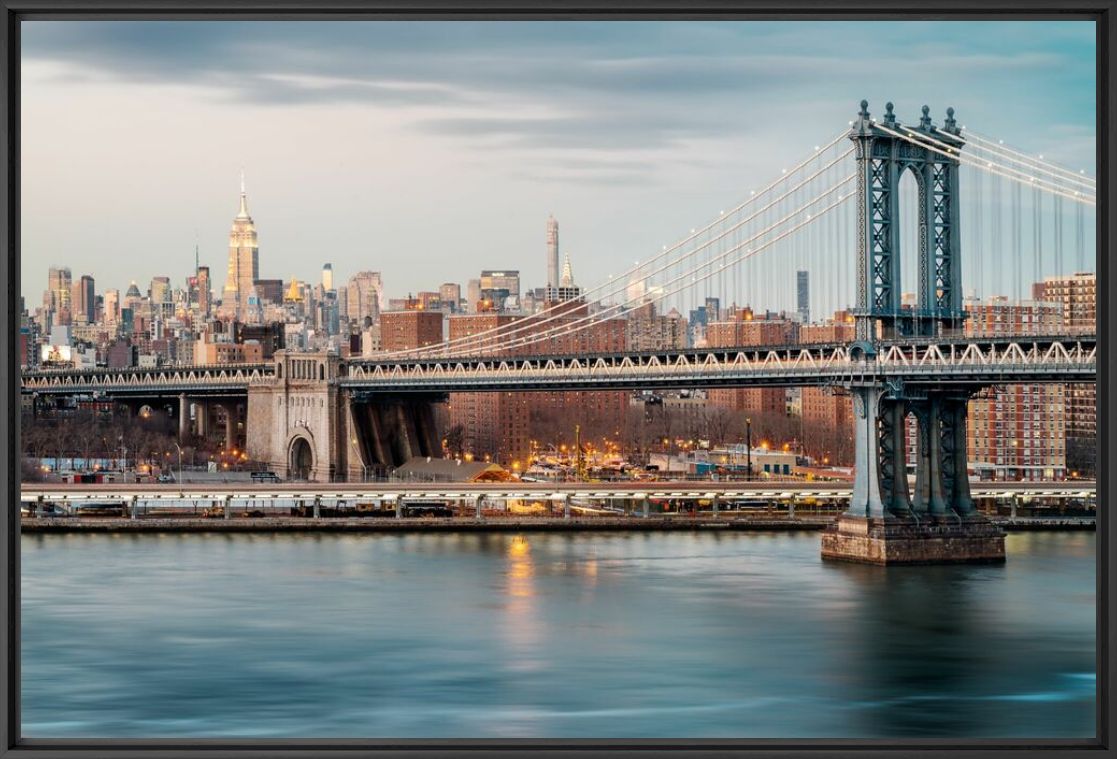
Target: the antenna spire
(243, 213)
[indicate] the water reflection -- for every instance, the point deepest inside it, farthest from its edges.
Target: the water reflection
(589, 635)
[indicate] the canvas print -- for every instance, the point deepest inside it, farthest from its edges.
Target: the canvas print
(558, 379)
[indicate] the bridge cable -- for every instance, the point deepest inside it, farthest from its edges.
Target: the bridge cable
(679, 281)
(533, 322)
(563, 307)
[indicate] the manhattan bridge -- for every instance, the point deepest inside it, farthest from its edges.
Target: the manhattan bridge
(873, 213)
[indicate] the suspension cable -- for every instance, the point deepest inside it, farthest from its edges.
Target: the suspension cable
(622, 279)
(515, 328)
(607, 312)
(988, 166)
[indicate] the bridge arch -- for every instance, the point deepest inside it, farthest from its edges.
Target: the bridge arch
(300, 457)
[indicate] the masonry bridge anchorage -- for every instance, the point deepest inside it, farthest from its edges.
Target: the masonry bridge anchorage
(308, 425)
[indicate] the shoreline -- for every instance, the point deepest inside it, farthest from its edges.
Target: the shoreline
(114, 525)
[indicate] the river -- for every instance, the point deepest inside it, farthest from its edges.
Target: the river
(571, 635)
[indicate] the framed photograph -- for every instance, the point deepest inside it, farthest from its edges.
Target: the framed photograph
(635, 379)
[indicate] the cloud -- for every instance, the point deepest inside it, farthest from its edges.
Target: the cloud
(611, 85)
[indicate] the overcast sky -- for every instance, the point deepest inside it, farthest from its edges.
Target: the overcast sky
(431, 150)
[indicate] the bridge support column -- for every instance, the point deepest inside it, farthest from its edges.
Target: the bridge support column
(791, 508)
(1012, 506)
(231, 426)
(865, 501)
(183, 418)
(566, 506)
(201, 418)
(477, 506)
(645, 506)
(714, 505)
(399, 509)
(941, 526)
(228, 507)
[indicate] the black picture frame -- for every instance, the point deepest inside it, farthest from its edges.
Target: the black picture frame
(1103, 12)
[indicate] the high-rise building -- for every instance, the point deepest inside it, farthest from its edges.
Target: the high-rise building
(1078, 296)
(58, 294)
(82, 300)
(327, 277)
(566, 290)
(648, 330)
(244, 261)
(1014, 432)
(270, 290)
(803, 296)
(826, 415)
(450, 295)
(742, 329)
(473, 295)
(112, 306)
(204, 292)
(503, 279)
(161, 297)
(406, 330)
(552, 252)
(365, 296)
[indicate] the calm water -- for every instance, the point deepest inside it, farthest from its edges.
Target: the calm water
(560, 635)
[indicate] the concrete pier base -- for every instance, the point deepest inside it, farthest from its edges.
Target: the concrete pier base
(891, 540)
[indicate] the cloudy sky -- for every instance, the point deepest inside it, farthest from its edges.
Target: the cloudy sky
(431, 150)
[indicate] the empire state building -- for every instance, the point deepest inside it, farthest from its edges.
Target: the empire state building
(244, 261)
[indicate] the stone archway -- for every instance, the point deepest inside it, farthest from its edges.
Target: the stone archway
(300, 459)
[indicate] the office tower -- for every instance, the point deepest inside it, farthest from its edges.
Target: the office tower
(205, 295)
(472, 295)
(269, 290)
(160, 297)
(244, 260)
(82, 300)
(450, 293)
(552, 252)
(112, 306)
(365, 296)
(59, 291)
(803, 296)
(327, 277)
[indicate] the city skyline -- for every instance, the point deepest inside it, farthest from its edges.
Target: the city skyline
(658, 178)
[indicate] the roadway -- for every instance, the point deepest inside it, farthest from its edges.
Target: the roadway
(388, 491)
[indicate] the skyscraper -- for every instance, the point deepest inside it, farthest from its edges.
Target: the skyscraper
(803, 296)
(205, 297)
(112, 306)
(327, 277)
(82, 300)
(552, 252)
(57, 296)
(366, 295)
(244, 261)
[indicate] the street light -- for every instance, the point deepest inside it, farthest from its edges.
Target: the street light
(748, 448)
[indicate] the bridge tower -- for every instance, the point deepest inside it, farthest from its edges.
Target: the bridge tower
(883, 155)
(885, 522)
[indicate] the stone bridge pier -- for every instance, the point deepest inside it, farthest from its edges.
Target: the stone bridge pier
(886, 522)
(306, 425)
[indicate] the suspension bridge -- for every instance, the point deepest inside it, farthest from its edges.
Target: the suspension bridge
(878, 219)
